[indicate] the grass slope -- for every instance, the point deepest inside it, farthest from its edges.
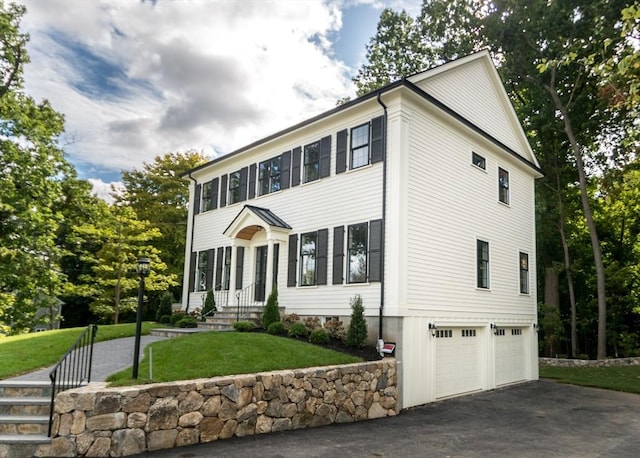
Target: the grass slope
(28, 352)
(618, 378)
(226, 353)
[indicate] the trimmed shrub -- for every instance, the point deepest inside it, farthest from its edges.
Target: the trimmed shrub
(357, 332)
(165, 306)
(298, 330)
(187, 322)
(312, 323)
(209, 307)
(271, 313)
(319, 337)
(335, 329)
(244, 326)
(177, 317)
(276, 328)
(165, 319)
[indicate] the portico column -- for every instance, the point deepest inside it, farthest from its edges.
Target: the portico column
(232, 274)
(269, 277)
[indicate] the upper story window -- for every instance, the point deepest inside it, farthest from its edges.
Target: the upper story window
(308, 243)
(269, 176)
(360, 146)
(478, 160)
(311, 162)
(482, 262)
(234, 187)
(503, 186)
(207, 202)
(357, 253)
(524, 273)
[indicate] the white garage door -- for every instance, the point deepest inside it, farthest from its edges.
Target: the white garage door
(458, 361)
(510, 356)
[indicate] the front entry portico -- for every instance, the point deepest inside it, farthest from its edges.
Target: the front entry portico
(261, 233)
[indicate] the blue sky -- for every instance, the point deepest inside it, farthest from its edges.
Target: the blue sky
(136, 79)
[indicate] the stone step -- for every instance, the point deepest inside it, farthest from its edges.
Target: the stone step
(215, 326)
(23, 446)
(24, 424)
(10, 389)
(174, 332)
(25, 406)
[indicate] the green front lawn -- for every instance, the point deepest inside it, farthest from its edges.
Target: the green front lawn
(28, 352)
(618, 378)
(210, 354)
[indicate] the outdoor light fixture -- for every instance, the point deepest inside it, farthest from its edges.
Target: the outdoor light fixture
(494, 327)
(536, 327)
(143, 268)
(433, 328)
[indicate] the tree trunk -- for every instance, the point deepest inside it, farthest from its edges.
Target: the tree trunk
(551, 286)
(595, 243)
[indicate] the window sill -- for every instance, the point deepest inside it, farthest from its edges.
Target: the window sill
(504, 204)
(362, 167)
(351, 285)
(486, 290)
(477, 167)
(307, 287)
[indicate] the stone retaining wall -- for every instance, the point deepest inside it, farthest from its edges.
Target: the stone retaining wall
(558, 362)
(99, 421)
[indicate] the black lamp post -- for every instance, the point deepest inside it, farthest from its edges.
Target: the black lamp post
(143, 270)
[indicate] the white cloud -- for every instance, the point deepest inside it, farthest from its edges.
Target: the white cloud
(138, 79)
(105, 191)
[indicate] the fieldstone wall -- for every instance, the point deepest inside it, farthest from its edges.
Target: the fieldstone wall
(96, 421)
(559, 362)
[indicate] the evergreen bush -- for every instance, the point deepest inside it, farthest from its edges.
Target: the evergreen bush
(244, 326)
(271, 313)
(298, 330)
(187, 322)
(165, 305)
(276, 328)
(357, 332)
(177, 317)
(319, 337)
(165, 319)
(209, 307)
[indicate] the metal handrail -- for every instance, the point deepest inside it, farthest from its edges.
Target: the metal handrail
(245, 299)
(73, 368)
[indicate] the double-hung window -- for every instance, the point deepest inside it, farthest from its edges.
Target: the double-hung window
(524, 273)
(308, 245)
(360, 146)
(357, 253)
(503, 186)
(482, 261)
(269, 176)
(227, 268)
(234, 187)
(311, 162)
(201, 282)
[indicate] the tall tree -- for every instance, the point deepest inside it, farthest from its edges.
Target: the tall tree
(31, 168)
(122, 239)
(160, 196)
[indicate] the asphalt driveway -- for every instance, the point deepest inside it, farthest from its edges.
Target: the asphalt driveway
(537, 419)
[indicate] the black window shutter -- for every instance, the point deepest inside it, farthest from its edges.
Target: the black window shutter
(219, 261)
(196, 199)
(321, 257)
(295, 166)
(341, 151)
(243, 183)
(338, 255)
(377, 139)
(293, 260)
(192, 270)
(285, 169)
(209, 277)
(239, 266)
(375, 250)
(325, 156)
(252, 181)
(214, 192)
(223, 191)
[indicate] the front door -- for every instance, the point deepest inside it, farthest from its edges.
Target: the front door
(261, 273)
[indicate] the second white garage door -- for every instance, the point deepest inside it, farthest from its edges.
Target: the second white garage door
(458, 361)
(510, 356)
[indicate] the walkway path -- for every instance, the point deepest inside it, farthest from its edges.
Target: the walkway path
(108, 357)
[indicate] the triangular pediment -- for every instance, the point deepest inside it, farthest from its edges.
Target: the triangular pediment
(251, 220)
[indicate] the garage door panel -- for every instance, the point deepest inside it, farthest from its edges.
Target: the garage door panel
(510, 356)
(458, 361)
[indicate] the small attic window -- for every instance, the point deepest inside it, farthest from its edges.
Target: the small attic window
(478, 160)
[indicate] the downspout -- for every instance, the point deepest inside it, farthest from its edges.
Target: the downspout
(193, 225)
(384, 221)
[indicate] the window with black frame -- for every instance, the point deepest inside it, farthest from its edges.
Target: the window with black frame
(308, 244)
(311, 162)
(357, 253)
(524, 273)
(234, 187)
(483, 264)
(360, 146)
(269, 176)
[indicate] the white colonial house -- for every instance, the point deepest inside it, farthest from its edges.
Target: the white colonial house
(418, 196)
